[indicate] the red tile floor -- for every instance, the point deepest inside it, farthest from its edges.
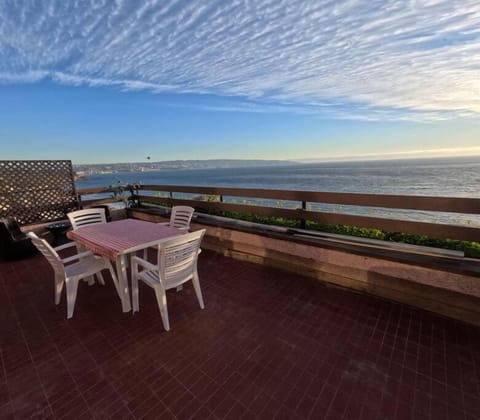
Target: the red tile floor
(268, 345)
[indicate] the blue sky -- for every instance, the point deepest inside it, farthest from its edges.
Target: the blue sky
(121, 80)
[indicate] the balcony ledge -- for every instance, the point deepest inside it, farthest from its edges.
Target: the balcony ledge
(437, 281)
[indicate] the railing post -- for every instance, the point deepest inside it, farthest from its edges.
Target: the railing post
(137, 189)
(79, 201)
(133, 199)
(303, 223)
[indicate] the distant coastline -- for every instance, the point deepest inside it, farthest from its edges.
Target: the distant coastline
(82, 171)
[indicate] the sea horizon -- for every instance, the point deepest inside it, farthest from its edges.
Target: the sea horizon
(440, 164)
(300, 161)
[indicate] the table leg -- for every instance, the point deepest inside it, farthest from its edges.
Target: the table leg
(121, 264)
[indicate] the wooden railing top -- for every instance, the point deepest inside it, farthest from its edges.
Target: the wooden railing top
(409, 202)
(96, 190)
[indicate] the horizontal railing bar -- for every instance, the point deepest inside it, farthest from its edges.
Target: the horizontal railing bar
(390, 225)
(97, 190)
(87, 203)
(408, 202)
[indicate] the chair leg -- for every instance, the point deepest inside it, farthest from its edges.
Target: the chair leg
(90, 280)
(58, 288)
(72, 287)
(135, 303)
(134, 277)
(162, 305)
(180, 288)
(198, 291)
(100, 279)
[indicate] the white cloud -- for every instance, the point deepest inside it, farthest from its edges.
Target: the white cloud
(420, 153)
(363, 59)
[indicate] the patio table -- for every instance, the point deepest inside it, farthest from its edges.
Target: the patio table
(116, 240)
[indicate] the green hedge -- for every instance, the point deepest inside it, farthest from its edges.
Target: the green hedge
(471, 249)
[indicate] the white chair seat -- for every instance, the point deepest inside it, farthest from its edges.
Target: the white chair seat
(152, 279)
(85, 267)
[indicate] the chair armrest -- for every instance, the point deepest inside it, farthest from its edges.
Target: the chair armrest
(164, 223)
(144, 264)
(77, 256)
(65, 246)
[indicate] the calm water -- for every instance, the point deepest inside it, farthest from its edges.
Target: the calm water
(456, 177)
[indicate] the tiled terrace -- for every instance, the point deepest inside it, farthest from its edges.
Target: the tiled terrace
(268, 345)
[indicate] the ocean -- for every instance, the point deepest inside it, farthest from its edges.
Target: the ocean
(446, 177)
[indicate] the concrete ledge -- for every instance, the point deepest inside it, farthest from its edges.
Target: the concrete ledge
(454, 294)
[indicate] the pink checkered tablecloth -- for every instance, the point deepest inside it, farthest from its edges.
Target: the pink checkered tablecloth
(111, 239)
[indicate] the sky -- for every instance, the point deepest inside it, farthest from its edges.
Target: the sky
(117, 81)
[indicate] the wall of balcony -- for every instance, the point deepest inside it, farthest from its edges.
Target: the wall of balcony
(448, 289)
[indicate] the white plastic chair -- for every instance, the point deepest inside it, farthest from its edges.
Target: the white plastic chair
(180, 217)
(177, 264)
(80, 218)
(86, 217)
(69, 272)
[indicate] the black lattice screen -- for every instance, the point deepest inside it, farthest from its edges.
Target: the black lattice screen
(35, 191)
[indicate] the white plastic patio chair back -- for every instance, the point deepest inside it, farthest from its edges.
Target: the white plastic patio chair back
(80, 218)
(177, 264)
(180, 217)
(49, 253)
(72, 269)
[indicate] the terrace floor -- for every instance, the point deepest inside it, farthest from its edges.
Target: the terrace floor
(269, 345)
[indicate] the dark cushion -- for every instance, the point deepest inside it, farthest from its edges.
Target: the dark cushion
(14, 244)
